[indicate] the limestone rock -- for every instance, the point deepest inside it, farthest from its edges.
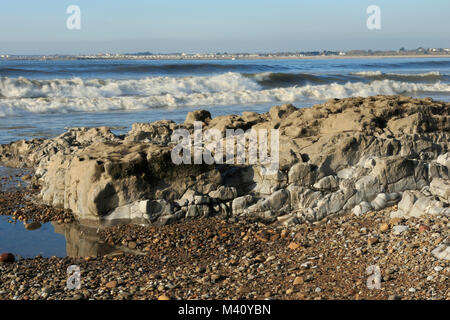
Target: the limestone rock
(275, 204)
(302, 174)
(197, 115)
(224, 193)
(240, 204)
(327, 183)
(355, 154)
(440, 188)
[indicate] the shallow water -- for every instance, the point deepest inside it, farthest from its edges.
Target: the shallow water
(44, 241)
(48, 239)
(10, 178)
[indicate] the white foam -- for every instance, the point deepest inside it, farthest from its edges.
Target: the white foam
(95, 88)
(76, 95)
(262, 76)
(379, 73)
(367, 73)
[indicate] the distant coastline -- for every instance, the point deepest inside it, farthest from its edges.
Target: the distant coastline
(217, 57)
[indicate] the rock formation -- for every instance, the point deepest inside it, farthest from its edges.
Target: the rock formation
(355, 154)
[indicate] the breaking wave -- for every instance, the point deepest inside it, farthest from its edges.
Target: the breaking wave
(21, 96)
(432, 75)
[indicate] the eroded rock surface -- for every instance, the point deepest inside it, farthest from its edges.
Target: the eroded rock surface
(357, 154)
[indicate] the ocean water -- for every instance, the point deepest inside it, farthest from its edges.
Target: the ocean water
(42, 98)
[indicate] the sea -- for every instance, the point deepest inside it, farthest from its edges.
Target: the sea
(41, 98)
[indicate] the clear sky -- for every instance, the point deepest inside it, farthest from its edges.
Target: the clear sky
(39, 26)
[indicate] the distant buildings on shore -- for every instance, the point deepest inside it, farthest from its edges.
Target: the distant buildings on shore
(233, 56)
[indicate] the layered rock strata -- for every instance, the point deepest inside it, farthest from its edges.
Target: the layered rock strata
(355, 154)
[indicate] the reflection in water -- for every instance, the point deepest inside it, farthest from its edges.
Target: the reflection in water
(28, 240)
(32, 226)
(32, 239)
(82, 241)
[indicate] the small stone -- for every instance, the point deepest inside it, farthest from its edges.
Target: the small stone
(399, 229)
(298, 280)
(32, 226)
(200, 269)
(111, 284)
(7, 258)
(216, 278)
(26, 177)
(260, 258)
(301, 296)
(243, 290)
(163, 297)
(423, 228)
(395, 221)
(412, 290)
(372, 240)
(438, 268)
(384, 227)
(293, 246)
(132, 245)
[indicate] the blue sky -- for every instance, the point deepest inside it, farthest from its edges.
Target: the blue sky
(39, 27)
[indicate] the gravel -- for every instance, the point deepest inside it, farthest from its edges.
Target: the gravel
(219, 259)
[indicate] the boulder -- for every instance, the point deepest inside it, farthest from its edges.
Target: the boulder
(303, 198)
(417, 204)
(240, 204)
(147, 210)
(158, 132)
(276, 204)
(224, 193)
(169, 219)
(384, 200)
(198, 115)
(198, 211)
(302, 174)
(327, 183)
(440, 188)
(444, 160)
(362, 208)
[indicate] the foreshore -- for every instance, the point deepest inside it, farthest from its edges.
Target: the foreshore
(361, 182)
(220, 259)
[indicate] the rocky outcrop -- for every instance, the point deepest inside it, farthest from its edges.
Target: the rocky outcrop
(357, 154)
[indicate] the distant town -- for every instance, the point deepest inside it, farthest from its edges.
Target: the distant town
(402, 52)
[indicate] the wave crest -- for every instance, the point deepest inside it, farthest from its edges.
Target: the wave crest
(77, 95)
